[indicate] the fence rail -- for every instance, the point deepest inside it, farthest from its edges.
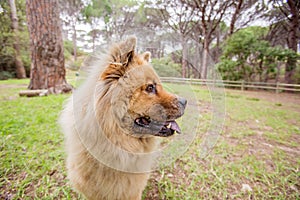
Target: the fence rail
(277, 87)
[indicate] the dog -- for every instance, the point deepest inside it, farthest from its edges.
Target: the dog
(112, 123)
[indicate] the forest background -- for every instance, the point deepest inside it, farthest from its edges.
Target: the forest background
(245, 40)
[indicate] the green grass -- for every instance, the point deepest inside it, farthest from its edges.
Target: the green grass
(31, 148)
(259, 146)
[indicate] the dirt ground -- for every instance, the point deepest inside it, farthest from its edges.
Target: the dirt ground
(291, 100)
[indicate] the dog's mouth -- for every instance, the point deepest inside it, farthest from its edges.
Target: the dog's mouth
(162, 129)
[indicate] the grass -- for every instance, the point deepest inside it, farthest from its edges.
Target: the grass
(31, 148)
(259, 148)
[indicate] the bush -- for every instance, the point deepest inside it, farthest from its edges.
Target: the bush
(165, 67)
(4, 75)
(228, 70)
(75, 65)
(69, 50)
(296, 77)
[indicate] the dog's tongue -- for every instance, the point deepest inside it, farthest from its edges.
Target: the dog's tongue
(174, 126)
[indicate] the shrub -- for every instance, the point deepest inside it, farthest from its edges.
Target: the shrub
(74, 65)
(4, 75)
(69, 50)
(165, 67)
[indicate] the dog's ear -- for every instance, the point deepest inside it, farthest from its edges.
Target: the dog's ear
(127, 50)
(124, 51)
(120, 57)
(146, 56)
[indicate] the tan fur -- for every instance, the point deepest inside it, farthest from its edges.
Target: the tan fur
(97, 122)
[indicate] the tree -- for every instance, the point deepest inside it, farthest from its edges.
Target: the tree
(248, 56)
(47, 58)
(180, 18)
(95, 12)
(122, 18)
(293, 37)
(8, 40)
(20, 70)
(72, 10)
(240, 54)
(94, 33)
(211, 13)
(286, 23)
(244, 12)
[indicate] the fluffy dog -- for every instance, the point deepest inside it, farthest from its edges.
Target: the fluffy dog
(111, 125)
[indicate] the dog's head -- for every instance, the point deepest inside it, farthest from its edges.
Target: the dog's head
(136, 95)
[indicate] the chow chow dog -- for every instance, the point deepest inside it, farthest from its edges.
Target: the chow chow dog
(112, 123)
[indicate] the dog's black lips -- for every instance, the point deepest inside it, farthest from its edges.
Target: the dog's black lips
(167, 128)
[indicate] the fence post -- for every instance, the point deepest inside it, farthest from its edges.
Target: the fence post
(277, 87)
(243, 85)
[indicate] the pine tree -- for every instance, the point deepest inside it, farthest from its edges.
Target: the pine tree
(46, 45)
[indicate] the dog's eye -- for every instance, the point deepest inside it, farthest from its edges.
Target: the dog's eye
(151, 88)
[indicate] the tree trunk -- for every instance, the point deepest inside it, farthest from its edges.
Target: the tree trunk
(46, 45)
(74, 38)
(20, 70)
(292, 41)
(261, 71)
(278, 72)
(184, 56)
(204, 59)
(93, 40)
(198, 60)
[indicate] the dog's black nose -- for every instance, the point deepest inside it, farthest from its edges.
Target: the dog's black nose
(182, 101)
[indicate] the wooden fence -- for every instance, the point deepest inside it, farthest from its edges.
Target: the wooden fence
(242, 85)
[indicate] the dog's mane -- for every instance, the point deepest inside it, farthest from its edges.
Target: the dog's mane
(98, 93)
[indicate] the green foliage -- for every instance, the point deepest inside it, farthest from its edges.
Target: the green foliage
(4, 75)
(228, 70)
(75, 65)
(68, 47)
(247, 56)
(69, 50)
(165, 67)
(296, 77)
(69, 53)
(7, 55)
(243, 42)
(97, 9)
(118, 17)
